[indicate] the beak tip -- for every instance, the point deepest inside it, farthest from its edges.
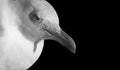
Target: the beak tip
(73, 50)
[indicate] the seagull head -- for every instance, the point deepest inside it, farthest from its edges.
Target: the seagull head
(39, 21)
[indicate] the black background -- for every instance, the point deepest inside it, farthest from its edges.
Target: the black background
(54, 55)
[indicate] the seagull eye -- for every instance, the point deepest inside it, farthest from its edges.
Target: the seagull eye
(34, 17)
(36, 20)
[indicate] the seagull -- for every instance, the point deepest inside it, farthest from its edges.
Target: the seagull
(24, 27)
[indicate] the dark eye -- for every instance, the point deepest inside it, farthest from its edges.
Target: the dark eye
(34, 17)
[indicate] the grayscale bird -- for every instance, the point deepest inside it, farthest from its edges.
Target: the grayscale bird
(24, 25)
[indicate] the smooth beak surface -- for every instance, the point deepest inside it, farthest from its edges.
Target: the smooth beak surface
(63, 38)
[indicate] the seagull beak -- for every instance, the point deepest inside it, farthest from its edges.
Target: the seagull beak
(62, 37)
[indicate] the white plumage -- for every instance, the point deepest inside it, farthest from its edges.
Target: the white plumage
(16, 51)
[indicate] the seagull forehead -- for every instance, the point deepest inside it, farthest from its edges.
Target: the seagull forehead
(49, 12)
